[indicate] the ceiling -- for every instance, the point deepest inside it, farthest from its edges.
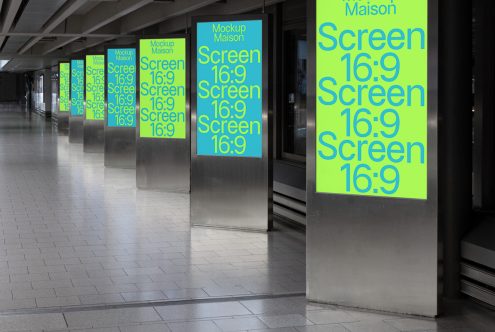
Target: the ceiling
(36, 34)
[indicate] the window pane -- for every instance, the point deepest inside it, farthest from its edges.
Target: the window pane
(294, 124)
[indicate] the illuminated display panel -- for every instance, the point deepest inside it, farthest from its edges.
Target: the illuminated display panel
(162, 88)
(64, 85)
(77, 87)
(372, 97)
(95, 87)
(121, 87)
(229, 88)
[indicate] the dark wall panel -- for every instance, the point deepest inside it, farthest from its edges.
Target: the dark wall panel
(8, 87)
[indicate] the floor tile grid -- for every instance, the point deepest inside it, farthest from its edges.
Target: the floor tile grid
(287, 314)
(75, 233)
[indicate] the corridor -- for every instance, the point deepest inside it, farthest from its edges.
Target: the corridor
(83, 250)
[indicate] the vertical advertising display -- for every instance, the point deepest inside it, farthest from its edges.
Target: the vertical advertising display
(77, 88)
(231, 162)
(372, 98)
(162, 88)
(229, 88)
(121, 87)
(64, 86)
(163, 145)
(95, 87)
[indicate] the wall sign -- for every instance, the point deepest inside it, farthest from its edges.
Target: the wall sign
(162, 88)
(229, 88)
(77, 87)
(372, 97)
(95, 87)
(64, 86)
(121, 87)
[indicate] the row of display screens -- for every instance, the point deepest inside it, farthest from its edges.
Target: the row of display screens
(229, 72)
(371, 93)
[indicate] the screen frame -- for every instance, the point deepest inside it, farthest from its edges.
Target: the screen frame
(85, 82)
(59, 89)
(84, 86)
(266, 132)
(187, 110)
(109, 47)
(384, 232)
(432, 112)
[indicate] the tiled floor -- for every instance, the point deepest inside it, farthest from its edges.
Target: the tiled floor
(83, 250)
(76, 233)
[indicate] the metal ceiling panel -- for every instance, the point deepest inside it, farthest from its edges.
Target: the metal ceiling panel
(36, 13)
(86, 8)
(22, 65)
(14, 43)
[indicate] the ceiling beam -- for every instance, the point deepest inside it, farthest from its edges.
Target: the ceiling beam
(98, 17)
(109, 32)
(93, 42)
(19, 65)
(69, 8)
(231, 7)
(11, 8)
(9, 55)
(155, 13)
(106, 13)
(61, 34)
(71, 25)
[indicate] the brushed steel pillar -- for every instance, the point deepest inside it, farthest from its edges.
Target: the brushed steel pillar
(93, 136)
(232, 192)
(373, 252)
(63, 122)
(164, 163)
(93, 130)
(75, 119)
(63, 115)
(119, 142)
(75, 129)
